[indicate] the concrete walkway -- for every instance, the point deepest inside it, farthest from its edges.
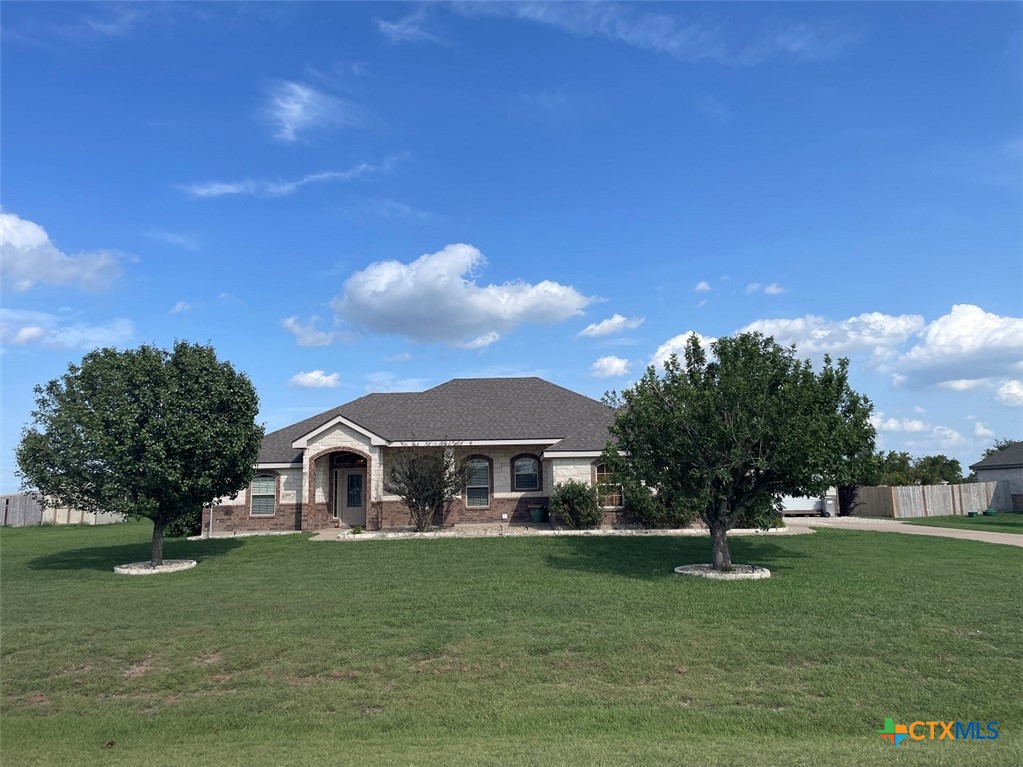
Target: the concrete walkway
(896, 526)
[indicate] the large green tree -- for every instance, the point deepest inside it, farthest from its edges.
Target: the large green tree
(728, 436)
(935, 469)
(144, 432)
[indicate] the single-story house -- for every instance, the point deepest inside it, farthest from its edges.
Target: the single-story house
(1006, 468)
(518, 437)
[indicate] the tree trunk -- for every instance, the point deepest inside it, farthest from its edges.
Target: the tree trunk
(721, 558)
(847, 495)
(156, 553)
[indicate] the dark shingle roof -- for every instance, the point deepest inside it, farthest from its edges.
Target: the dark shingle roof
(1010, 457)
(465, 409)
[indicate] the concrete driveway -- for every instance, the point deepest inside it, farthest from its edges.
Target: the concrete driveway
(897, 526)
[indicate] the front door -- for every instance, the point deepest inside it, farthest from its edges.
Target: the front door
(350, 496)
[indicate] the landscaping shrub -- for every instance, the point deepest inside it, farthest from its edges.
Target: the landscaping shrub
(575, 504)
(189, 524)
(656, 510)
(763, 515)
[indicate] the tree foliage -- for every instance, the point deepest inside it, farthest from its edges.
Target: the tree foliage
(998, 446)
(426, 479)
(727, 437)
(144, 432)
(576, 504)
(935, 469)
(900, 468)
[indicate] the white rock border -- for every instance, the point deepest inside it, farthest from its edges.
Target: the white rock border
(737, 573)
(144, 568)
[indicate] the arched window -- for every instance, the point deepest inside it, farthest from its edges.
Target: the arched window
(263, 495)
(610, 494)
(478, 482)
(526, 473)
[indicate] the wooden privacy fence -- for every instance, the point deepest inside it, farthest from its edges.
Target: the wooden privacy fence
(21, 510)
(903, 502)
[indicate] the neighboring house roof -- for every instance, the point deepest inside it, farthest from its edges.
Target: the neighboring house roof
(1010, 457)
(464, 409)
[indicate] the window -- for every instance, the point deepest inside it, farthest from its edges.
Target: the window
(477, 482)
(525, 473)
(263, 495)
(610, 494)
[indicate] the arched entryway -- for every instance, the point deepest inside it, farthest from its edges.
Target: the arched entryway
(349, 483)
(338, 488)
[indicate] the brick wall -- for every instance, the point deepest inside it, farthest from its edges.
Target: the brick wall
(390, 514)
(230, 519)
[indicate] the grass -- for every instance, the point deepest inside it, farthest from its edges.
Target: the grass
(501, 651)
(1000, 523)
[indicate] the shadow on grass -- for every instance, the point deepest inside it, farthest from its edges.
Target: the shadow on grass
(657, 557)
(105, 558)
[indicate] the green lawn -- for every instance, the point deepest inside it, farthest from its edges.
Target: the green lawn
(546, 651)
(1001, 523)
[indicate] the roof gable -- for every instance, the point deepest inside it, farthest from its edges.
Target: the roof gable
(1010, 457)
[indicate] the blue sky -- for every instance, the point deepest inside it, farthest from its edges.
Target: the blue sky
(345, 198)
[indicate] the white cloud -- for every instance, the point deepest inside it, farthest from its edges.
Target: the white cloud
(435, 298)
(772, 289)
(882, 423)
(480, 341)
(924, 437)
(980, 429)
(263, 188)
(677, 345)
(180, 306)
(399, 357)
(702, 287)
(946, 437)
(608, 366)
(873, 332)
(26, 328)
(382, 381)
(966, 339)
(308, 334)
(230, 298)
(1010, 393)
(614, 324)
(689, 41)
(963, 384)
(315, 379)
(293, 108)
(407, 29)
(28, 257)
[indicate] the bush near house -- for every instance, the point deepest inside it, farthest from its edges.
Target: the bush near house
(575, 504)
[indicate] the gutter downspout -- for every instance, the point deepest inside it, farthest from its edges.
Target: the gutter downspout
(210, 533)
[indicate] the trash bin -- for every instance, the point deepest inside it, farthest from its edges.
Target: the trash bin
(536, 514)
